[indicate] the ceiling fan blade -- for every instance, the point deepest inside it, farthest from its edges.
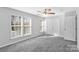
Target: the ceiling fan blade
(51, 13)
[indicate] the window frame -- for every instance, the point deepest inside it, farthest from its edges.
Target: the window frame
(22, 27)
(43, 26)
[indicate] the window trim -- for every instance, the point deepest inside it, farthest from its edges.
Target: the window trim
(22, 27)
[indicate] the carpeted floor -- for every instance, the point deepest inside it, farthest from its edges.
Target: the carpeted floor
(42, 44)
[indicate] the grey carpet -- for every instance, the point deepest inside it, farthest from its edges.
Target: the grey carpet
(42, 44)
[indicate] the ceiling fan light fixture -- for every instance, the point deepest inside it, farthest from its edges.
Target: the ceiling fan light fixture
(46, 12)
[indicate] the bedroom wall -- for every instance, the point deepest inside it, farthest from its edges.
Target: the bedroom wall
(63, 25)
(54, 25)
(5, 27)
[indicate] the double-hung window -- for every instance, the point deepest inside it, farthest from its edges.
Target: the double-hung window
(43, 25)
(20, 26)
(26, 26)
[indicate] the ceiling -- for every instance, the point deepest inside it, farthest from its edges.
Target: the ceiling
(33, 10)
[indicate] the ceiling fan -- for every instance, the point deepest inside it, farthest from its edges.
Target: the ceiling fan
(46, 12)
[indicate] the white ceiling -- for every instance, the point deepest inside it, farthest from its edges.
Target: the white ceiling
(33, 10)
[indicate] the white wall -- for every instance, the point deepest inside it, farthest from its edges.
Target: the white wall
(53, 25)
(5, 28)
(63, 25)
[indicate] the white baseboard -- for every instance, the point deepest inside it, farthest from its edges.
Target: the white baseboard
(13, 41)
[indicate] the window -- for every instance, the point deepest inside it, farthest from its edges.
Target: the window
(20, 26)
(43, 26)
(15, 26)
(26, 26)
